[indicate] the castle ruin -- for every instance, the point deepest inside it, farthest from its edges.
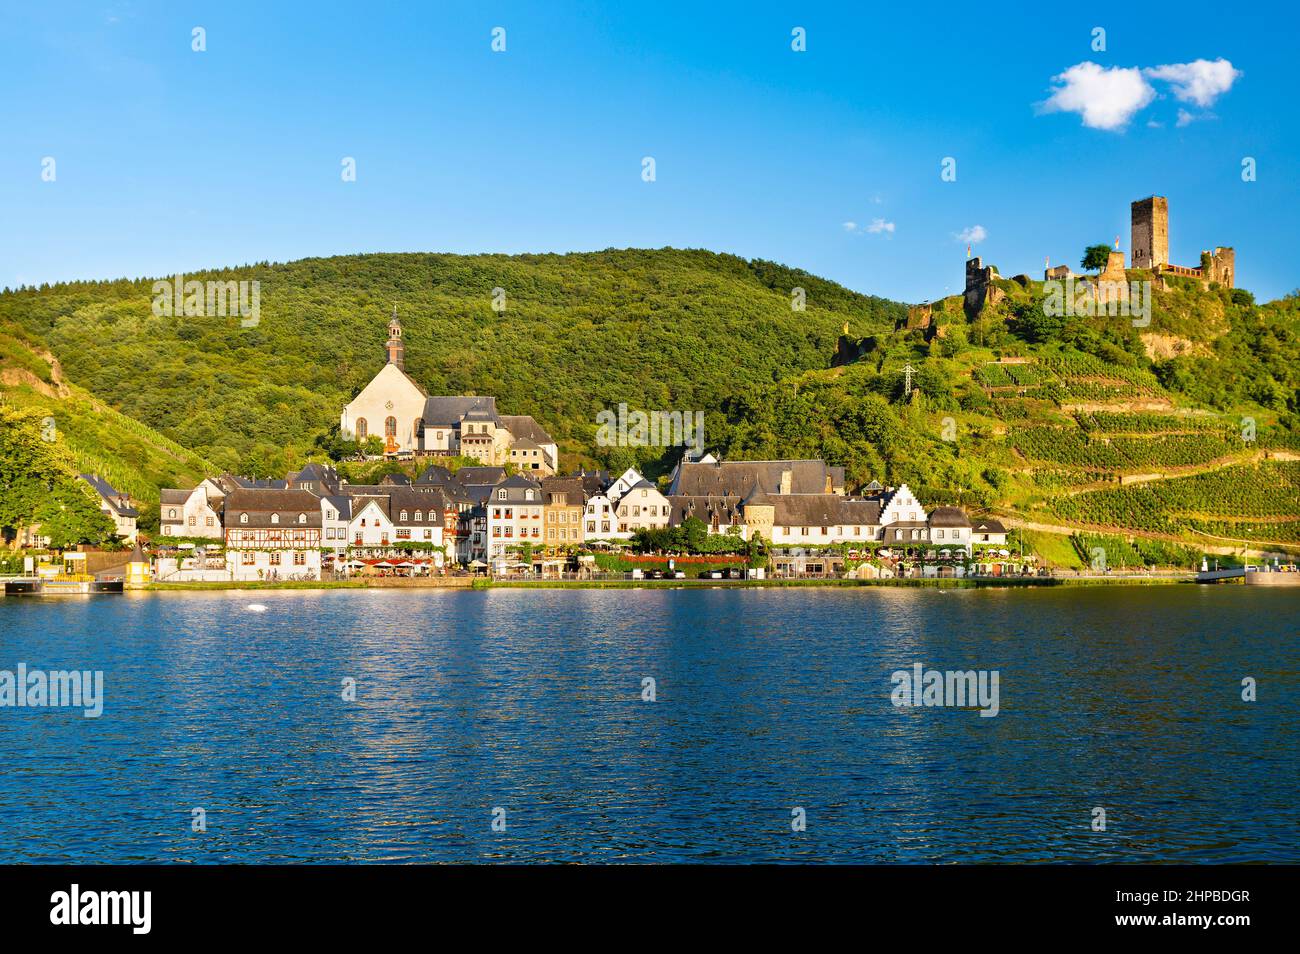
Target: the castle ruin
(1150, 246)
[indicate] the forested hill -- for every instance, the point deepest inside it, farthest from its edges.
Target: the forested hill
(657, 329)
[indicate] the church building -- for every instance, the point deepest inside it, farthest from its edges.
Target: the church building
(395, 408)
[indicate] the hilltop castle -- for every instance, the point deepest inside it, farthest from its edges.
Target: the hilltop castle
(1150, 248)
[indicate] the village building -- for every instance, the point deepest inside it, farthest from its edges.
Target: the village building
(563, 505)
(514, 517)
(641, 506)
(272, 534)
(119, 506)
(988, 531)
(192, 513)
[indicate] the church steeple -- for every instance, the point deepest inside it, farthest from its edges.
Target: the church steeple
(396, 350)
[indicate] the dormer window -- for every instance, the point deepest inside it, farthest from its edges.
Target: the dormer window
(302, 518)
(403, 516)
(501, 495)
(419, 515)
(275, 518)
(243, 518)
(528, 495)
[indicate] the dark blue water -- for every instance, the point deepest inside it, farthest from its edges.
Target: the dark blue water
(1124, 698)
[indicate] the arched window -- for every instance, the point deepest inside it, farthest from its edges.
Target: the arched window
(243, 518)
(275, 518)
(390, 427)
(362, 429)
(171, 514)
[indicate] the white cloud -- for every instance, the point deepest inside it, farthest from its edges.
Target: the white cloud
(1184, 117)
(1106, 98)
(972, 235)
(1200, 82)
(877, 227)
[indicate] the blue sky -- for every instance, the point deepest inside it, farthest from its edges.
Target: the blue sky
(169, 160)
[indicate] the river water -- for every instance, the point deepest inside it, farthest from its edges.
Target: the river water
(772, 710)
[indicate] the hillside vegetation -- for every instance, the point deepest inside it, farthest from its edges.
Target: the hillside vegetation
(1184, 429)
(579, 333)
(77, 433)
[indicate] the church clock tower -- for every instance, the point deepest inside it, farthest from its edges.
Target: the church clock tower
(396, 350)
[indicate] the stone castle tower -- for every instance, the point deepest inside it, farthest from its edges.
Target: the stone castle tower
(396, 350)
(1150, 239)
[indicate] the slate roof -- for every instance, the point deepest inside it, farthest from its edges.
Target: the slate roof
(704, 507)
(120, 502)
(990, 526)
(823, 510)
(261, 503)
(569, 489)
(515, 488)
(450, 411)
(742, 477)
(474, 476)
(949, 517)
(523, 427)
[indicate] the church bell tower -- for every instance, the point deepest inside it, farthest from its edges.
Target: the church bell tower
(396, 350)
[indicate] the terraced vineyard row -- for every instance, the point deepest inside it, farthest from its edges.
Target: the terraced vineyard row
(1062, 445)
(1138, 552)
(1176, 506)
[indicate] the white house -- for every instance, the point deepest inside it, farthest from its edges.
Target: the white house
(191, 513)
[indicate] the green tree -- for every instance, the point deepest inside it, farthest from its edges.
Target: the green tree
(1095, 257)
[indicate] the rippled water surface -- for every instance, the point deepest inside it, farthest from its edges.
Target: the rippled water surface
(1126, 698)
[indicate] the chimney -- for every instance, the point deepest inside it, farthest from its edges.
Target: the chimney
(787, 478)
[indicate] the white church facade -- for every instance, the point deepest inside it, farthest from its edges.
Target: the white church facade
(396, 409)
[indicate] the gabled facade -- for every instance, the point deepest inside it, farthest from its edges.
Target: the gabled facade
(515, 515)
(192, 513)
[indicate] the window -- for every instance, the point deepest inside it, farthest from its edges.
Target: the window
(243, 518)
(938, 534)
(591, 526)
(275, 518)
(208, 521)
(193, 520)
(274, 558)
(403, 517)
(390, 427)
(299, 558)
(302, 518)
(362, 429)
(501, 495)
(803, 531)
(528, 495)
(419, 515)
(403, 533)
(171, 514)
